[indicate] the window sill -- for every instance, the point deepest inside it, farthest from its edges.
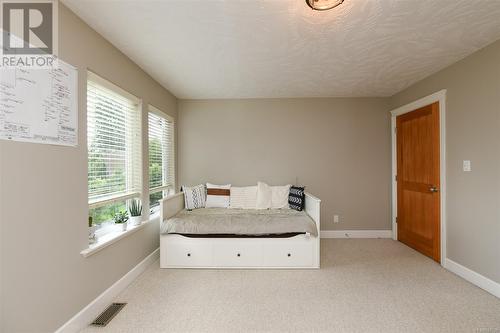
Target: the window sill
(113, 237)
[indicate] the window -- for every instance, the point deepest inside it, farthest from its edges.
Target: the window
(114, 148)
(161, 155)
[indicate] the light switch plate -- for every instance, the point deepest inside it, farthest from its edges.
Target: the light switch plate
(467, 166)
(336, 219)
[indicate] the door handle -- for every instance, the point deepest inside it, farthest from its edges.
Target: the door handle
(433, 189)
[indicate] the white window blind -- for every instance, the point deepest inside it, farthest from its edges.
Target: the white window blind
(161, 152)
(114, 143)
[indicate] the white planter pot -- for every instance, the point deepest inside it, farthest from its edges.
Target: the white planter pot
(92, 236)
(135, 220)
(124, 226)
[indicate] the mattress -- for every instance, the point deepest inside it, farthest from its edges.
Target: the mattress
(251, 222)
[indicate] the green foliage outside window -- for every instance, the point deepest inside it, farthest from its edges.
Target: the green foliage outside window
(155, 163)
(154, 199)
(155, 170)
(107, 212)
(115, 183)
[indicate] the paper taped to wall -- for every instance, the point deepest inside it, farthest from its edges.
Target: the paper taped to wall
(39, 105)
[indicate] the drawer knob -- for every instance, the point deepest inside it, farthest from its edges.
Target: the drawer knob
(289, 254)
(189, 254)
(239, 255)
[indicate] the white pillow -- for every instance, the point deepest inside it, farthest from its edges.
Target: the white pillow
(279, 196)
(218, 196)
(243, 197)
(264, 195)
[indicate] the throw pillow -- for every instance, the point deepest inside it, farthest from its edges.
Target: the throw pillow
(194, 197)
(264, 195)
(296, 198)
(279, 196)
(243, 197)
(218, 196)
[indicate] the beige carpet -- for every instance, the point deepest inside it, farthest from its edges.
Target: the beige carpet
(364, 285)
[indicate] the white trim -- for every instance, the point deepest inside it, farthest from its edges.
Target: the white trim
(356, 233)
(96, 78)
(160, 113)
(102, 201)
(440, 97)
(113, 237)
(92, 310)
(475, 278)
(160, 188)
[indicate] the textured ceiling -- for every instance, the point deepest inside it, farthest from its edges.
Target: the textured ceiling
(281, 48)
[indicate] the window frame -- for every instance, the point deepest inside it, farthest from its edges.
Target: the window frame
(108, 199)
(169, 188)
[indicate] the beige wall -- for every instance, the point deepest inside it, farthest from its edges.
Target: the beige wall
(43, 193)
(339, 148)
(472, 133)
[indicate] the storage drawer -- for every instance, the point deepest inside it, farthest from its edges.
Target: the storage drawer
(241, 253)
(188, 252)
(288, 253)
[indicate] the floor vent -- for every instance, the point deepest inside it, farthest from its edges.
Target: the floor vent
(108, 314)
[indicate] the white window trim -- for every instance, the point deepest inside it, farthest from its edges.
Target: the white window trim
(91, 76)
(160, 188)
(114, 198)
(104, 228)
(111, 233)
(171, 187)
(160, 113)
(114, 235)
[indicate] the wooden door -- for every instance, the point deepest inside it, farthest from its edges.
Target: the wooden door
(418, 180)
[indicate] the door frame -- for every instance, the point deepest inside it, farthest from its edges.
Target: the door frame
(440, 97)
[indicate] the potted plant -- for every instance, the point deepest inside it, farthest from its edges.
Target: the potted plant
(92, 229)
(121, 218)
(135, 211)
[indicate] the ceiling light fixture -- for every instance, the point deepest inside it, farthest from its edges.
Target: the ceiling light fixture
(323, 4)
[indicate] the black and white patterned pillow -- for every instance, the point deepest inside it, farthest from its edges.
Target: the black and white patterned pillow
(194, 197)
(296, 198)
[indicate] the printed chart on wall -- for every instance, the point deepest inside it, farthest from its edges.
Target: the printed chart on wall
(39, 105)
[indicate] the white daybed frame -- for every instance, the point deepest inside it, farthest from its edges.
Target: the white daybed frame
(177, 251)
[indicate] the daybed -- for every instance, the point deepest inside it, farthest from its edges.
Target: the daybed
(234, 238)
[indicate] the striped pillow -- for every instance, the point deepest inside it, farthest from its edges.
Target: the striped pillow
(243, 197)
(218, 196)
(194, 197)
(296, 198)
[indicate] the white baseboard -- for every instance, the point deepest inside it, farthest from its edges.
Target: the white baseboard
(83, 318)
(475, 278)
(356, 233)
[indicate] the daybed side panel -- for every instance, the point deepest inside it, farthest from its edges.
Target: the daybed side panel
(313, 209)
(171, 205)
